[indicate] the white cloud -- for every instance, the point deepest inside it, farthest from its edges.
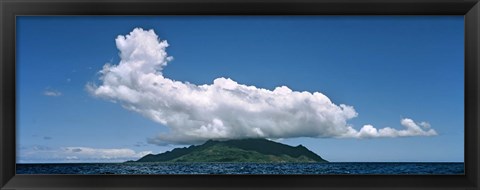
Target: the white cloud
(411, 129)
(107, 154)
(224, 109)
(50, 92)
(79, 154)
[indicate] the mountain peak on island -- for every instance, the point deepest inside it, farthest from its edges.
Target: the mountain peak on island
(237, 150)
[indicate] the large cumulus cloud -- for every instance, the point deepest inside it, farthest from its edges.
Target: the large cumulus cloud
(224, 109)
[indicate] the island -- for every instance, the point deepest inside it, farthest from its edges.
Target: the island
(241, 150)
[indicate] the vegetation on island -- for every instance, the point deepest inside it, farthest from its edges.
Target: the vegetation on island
(243, 150)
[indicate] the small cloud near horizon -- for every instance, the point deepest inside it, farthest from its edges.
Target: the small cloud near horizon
(81, 154)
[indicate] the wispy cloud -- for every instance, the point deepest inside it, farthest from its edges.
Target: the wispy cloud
(411, 129)
(79, 154)
(140, 144)
(50, 92)
(225, 108)
(106, 154)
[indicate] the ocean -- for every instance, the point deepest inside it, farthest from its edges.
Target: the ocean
(389, 168)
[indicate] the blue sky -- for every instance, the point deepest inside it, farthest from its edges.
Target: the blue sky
(386, 67)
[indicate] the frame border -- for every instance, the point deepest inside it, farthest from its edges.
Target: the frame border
(11, 8)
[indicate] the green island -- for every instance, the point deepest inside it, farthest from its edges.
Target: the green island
(242, 150)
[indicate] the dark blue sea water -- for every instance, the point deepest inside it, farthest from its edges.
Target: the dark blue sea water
(243, 168)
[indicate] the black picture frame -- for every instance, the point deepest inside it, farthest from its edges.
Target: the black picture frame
(10, 9)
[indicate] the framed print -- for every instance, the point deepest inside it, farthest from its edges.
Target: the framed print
(235, 95)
